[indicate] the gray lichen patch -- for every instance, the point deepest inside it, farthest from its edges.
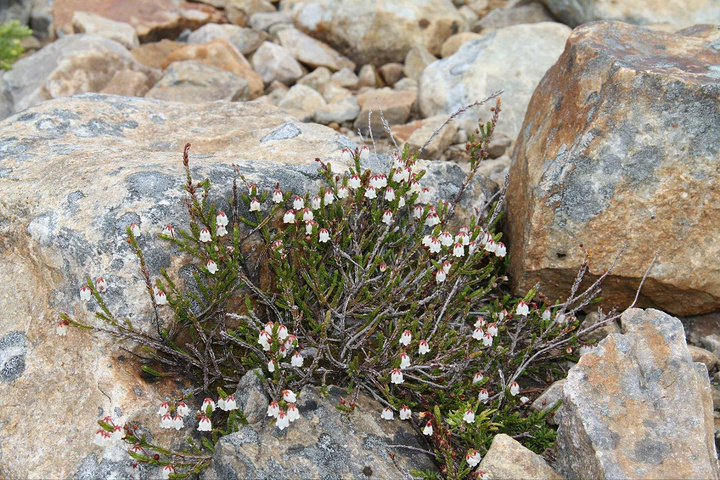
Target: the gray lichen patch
(13, 347)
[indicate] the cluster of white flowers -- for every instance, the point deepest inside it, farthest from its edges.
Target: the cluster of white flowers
(168, 420)
(284, 417)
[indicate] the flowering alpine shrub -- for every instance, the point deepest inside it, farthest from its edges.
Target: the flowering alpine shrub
(364, 286)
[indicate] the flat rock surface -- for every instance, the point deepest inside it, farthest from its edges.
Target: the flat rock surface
(623, 130)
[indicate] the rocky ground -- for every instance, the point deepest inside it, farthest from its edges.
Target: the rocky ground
(609, 139)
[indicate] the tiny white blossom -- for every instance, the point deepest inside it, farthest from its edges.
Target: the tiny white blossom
(307, 215)
(205, 235)
(398, 175)
(182, 409)
(273, 409)
(446, 266)
(487, 340)
(435, 245)
(405, 413)
(221, 231)
(462, 238)
(375, 181)
(315, 203)
(472, 247)
(459, 250)
(364, 152)
(492, 329)
(387, 414)
(255, 205)
(389, 194)
(135, 229)
(271, 366)
(427, 240)
(292, 412)
(500, 250)
(477, 378)
(161, 298)
(428, 430)
(212, 267)
(208, 402)
(323, 235)
(221, 219)
(178, 422)
(524, 400)
(370, 192)
(401, 201)
(446, 239)
(205, 425)
(396, 376)
(230, 403)
(164, 408)
(277, 196)
(166, 471)
(387, 217)
(514, 388)
(282, 332)
(264, 340)
(100, 285)
(169, 231)
(586, 349)
(404, 361)
(102, 438)
(297, 360)
(329, 198)
(289, 396)
(546, 314)
(61, 328)
(478, 333)
(414, 187)
(472, 457)
(298, 203)
(289, 217)
(166, 421)
(424, 196)
(560, 318)
(282, 420)
(343, 192)
(85, 293)
(406, 338)
(469, 416)
(347, 155)
(354, 181)
(432, 219)
(483, 396)
(418, 211)
(423, 347)
(490, 246)
(480, 322)
(440, 276)
(522, 308)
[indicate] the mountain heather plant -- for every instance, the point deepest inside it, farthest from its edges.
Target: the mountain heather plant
(361, 285)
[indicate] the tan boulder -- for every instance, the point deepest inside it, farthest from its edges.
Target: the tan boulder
(154, 54)
(452, 44)
(619, 147)
(396, 108)
(311, 52)
(189, 81)
(159, 19)
(221, 54)
(507, 458)
(124, 33)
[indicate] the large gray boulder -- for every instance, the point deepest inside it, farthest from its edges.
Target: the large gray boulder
(323, 443)
(621, 146)
(74, 173)
(638, 407)
(513, 58)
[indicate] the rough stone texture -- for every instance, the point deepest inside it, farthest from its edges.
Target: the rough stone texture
(710, 33)
(221, 54)
(246, 40)
(323, 443)
(159, 19)
(154, 54)
(311, 52)
(416, 60)
(369, 31)
(416, 133)
(453, 44)
(240, 11)
(334, 92)
(41, 19)
(195, 82)
(266, 21)
(367, 76)
(548, 399)
(345, 78)
(317, 79)
(533, 12)
(74, 64)
(623, 130)
(251, 398)
(274, 62)
(601, 332)
(129, 83)
(304, 99)
(513, 59)
(638, 407)
(339, 111)
(679, 13)
(75, 172)
(703, 356)
(507, 458)
(124, 33)
(391, 73)
(15, 10)
(396, 107)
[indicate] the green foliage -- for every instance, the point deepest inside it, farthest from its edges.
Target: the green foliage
(360, 286)
(10, 48)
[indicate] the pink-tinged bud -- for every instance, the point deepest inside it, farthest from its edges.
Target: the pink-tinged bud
(323, 235)
(282, 420)
(514, 388)
(273, 409)
(100, 285)
(212, 267)
(289, 396)
(205, 425)
(85, 293)
(406, 338)
(289, 217)
(405, 413)
(205, 235)
(221, 219)
(383, 267)
(423, 347)
(396, 377)
(161, 298)
(164, 408)
(61, 328)
(298, 203)
(254, 205)
(169, 231)
(387, 414)
(277, 196)
(135, 229)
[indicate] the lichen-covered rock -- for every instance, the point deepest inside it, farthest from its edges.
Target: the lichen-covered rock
(73, 64)
(251, 398)
(640, 12)
(195, 82)
(323, 443)
(513, 58)
(74, 174)
(621, 146)
(638, 407)
(158, 19)
(507, 458)
(378, 32)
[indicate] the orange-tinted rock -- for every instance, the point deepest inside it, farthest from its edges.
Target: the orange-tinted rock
(221, 54)
(152, 19)
(396, 107)
(621, 146)
(129, 83)
(638, 407)
(154, 54)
